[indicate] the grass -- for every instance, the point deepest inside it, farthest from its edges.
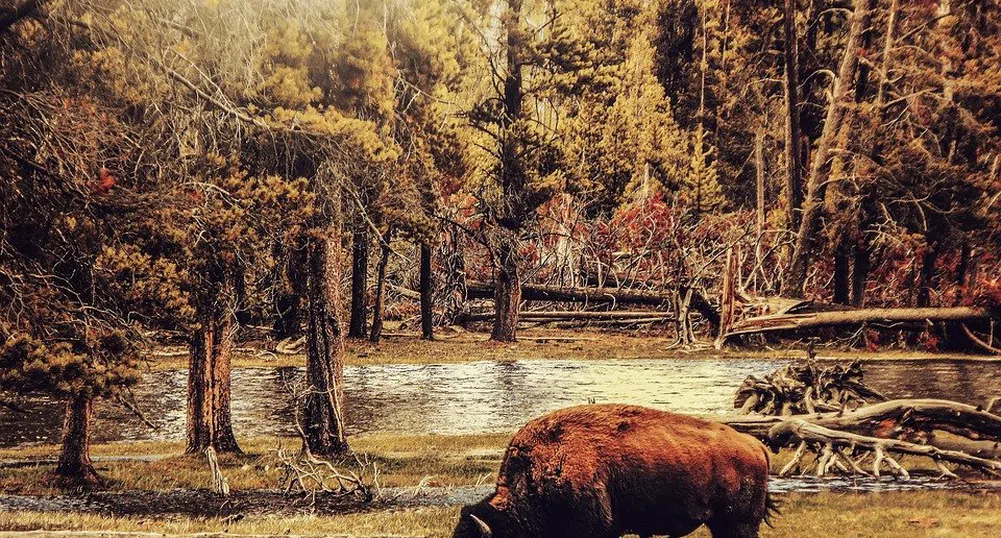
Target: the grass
(406, 460)
(402, 460)
(463, 346)
(887, 515)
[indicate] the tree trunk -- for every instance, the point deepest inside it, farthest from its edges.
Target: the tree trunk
(794, 284)
(507, 295)
(841, 267)
(427, 304)
(860, 272)
(513, 181)
(323, 427)
(288, 300)
(380, 288)
(74, 459)
(929, 276)
(359, 283)
(761, 195)
(962, 272)
(793, 152)
(209, 420)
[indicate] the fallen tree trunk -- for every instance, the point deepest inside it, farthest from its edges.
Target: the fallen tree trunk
(889, 316)
(537, 292)
(572, 315)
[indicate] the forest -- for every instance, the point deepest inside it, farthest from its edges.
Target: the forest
(207, 180)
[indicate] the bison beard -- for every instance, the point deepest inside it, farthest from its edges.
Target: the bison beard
(602, 471)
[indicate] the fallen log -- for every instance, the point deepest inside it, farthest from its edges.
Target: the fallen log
(572, 315)
(843, 318)
(405, 292)
(537, 292)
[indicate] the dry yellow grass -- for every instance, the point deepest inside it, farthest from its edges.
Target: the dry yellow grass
(402, 460)
(888, 515)
(455, 460)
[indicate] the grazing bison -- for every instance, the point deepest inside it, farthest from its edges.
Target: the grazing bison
(601, 471)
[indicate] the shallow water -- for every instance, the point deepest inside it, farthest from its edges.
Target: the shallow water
(486, 396)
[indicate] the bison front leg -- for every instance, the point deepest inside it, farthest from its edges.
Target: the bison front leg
(727, 529)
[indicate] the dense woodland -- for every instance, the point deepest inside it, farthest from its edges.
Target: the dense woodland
(212, 168)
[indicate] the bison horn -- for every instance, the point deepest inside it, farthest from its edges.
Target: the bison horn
(484, 528)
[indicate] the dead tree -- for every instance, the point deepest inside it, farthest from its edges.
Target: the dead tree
(793, 153)
(817, 181)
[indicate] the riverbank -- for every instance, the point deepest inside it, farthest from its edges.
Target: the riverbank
(454, 345)
(424, 479)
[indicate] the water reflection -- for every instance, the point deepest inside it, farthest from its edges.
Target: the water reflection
(487, 396)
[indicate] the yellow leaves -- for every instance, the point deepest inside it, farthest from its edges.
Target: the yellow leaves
(290, 87)
(357, 136)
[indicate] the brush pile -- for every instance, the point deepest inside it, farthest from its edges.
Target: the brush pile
(806, 388)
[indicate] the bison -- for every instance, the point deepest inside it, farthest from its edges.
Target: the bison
(601, 471)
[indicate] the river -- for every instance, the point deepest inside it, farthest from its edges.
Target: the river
(485, 396)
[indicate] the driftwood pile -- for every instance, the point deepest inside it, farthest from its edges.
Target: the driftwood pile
(806, 388)
(845, 433)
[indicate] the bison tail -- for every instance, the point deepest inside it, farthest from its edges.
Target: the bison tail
(772, 506)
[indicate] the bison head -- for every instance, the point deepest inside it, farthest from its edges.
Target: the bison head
(483, 520)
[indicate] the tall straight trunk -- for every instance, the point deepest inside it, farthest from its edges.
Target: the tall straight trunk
(427, 301)
(761, 196)
(288, 299)
(929, 276)
(962, 272)
(513, 179)
(209, 422)
(359, 283)
(74, 459)
(841, 270)
(322, 413)
(793, 151)
(759, 166)
(860, 272)
(507, 296)
(380, 288)
(224, 441)
(809, 225)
